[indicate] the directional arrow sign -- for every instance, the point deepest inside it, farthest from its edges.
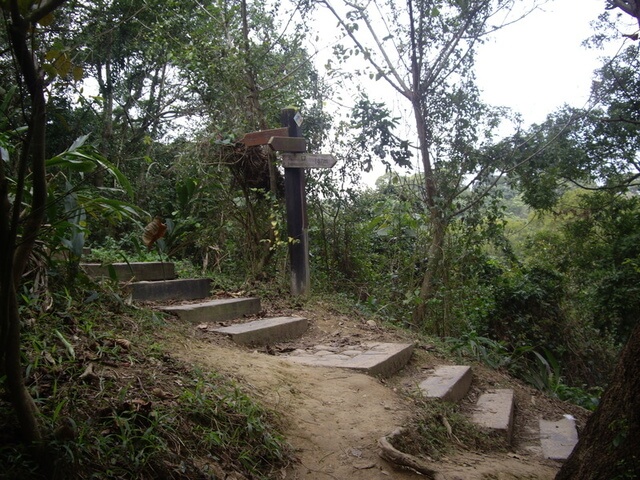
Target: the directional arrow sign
(262, 137)
(308, 160)
(288, 144)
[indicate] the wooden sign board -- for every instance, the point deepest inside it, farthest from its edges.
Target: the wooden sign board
(262, 137)
(308, 160)
(288, 144)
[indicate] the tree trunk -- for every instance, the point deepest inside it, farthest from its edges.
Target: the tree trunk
(23, 404)
(105, 86)
(429, 287)
(608, 446)
(436, 215)
(15, 255)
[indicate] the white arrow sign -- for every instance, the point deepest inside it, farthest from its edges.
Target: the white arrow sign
(308, 160)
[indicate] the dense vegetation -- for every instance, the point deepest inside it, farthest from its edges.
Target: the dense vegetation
(523, 252)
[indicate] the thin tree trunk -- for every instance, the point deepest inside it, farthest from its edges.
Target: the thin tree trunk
(257, 118)
(428, 288)
(23, 404)
(105, 85)
(436, 215)
(16, 255)
(255, 108)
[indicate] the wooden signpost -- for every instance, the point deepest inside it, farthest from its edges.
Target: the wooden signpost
(288, 144)
(297, 221)
(289, 141)
(308, 160)
(262, 137)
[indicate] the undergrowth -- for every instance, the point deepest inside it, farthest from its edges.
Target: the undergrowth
(538, 367)
(115, 404)
(438, 428)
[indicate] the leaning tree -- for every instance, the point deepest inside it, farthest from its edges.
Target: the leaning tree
(608, 446)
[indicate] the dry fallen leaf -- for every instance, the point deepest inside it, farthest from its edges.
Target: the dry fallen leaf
(153, 232)
(49, 358)
(161, 394)
(123, 342)
(89, 375)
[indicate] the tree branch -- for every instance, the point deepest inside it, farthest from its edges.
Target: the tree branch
(628, 183)
(630, 7)
(399, 87)
(43, 10)
(381, 48)
(621, 120)
(394, 456)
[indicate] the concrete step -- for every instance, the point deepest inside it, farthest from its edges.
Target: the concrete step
(134, 271)
(494, 411)
(265, 331)
(383, 359)
(179, 289)
(558, 438)
(215, 310)
(447, 382)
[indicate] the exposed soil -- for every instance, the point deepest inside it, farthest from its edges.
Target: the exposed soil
(333, 418)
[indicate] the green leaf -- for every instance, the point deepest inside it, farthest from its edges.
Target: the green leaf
(67, 345)
(78, 143)
(68, 160)
(117, 174)
(112, 273)
(78, 73)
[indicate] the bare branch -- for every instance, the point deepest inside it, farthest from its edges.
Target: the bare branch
(381, 48)
(399, 87)
(43, 10)
(441, 61)
(630, 7)
(630, 182)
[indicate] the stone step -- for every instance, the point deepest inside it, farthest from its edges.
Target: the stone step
(558, 438)
(494, 411)
(447, 382)
(219, 310)
(383, 359)
(265, 331)
(179, 289)
(133, 271)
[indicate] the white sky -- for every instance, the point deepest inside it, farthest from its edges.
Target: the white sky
(539, 64)
(533, 66)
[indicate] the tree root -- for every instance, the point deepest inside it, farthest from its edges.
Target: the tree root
(389, 453)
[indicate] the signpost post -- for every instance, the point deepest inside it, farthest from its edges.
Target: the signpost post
(296, 204)
(307, 160)
(289, 141)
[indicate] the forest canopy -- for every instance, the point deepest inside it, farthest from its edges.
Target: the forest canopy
(116, 112)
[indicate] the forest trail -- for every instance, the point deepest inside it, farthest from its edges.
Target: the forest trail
(333, 418)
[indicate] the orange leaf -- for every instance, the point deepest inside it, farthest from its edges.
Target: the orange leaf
(154, 232)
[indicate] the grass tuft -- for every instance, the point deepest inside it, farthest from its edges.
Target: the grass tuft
(437, 428)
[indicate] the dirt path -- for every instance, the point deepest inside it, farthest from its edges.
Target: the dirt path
(333, 418)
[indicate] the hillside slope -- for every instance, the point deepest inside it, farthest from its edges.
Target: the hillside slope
(333, 418)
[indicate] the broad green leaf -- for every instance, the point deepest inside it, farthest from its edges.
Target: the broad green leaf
(74, 163)
(78, 143)
(78, 73)
(47, 20)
